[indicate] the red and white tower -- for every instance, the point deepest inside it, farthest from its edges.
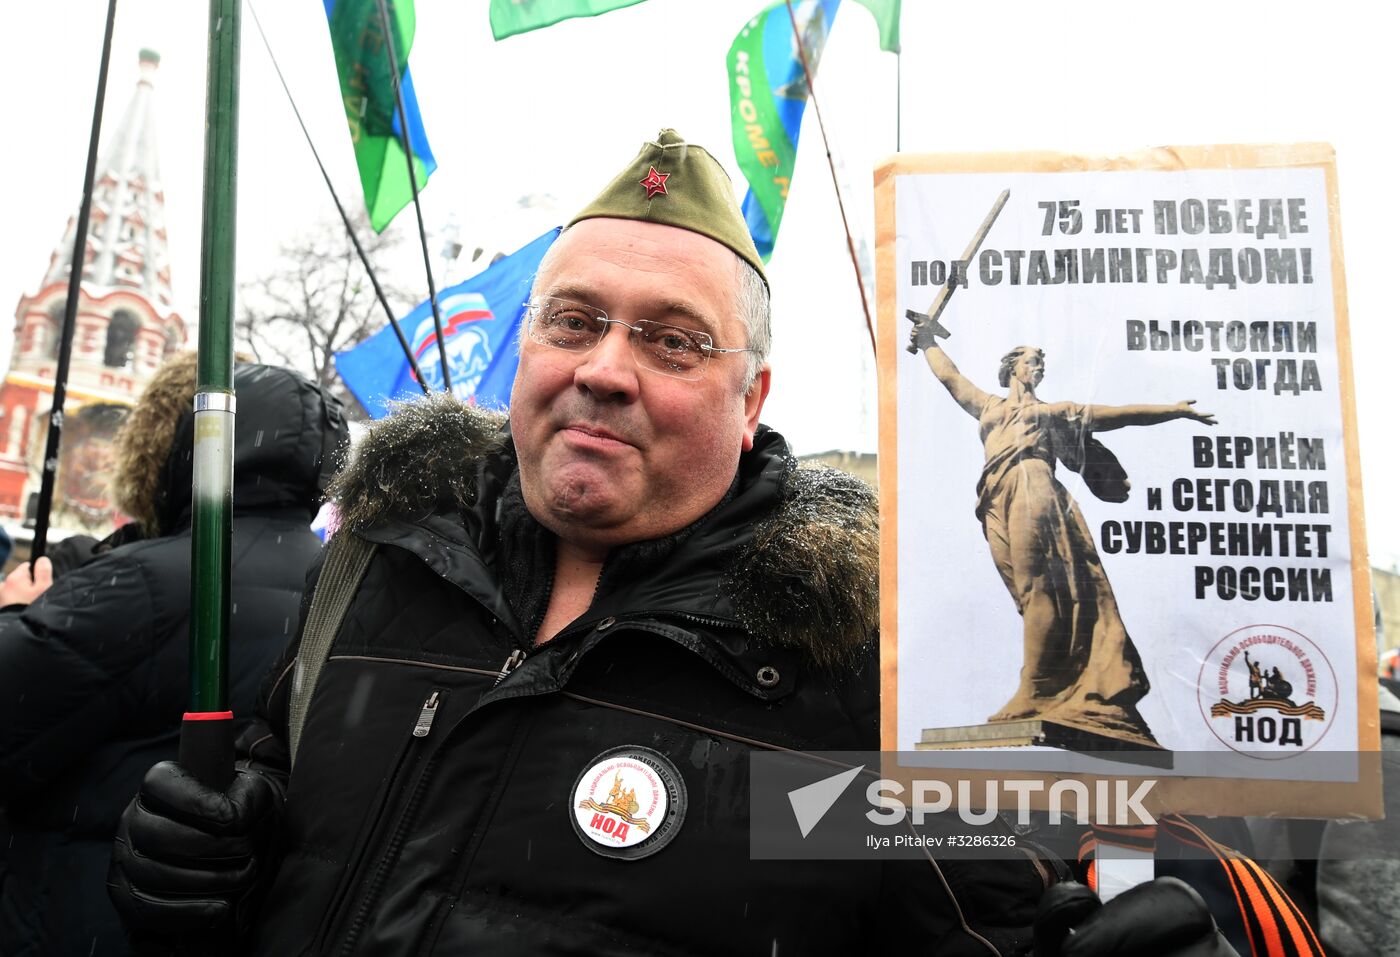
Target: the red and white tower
(125, 328)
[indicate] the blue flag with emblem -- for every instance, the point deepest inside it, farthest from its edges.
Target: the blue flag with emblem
(480, 324)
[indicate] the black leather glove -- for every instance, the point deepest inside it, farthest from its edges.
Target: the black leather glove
(187, 859)
(1163, 918)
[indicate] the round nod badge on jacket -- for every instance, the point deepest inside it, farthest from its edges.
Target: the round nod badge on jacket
(628, 803)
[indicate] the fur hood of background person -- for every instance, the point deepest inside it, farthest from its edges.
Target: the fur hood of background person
(288, 436)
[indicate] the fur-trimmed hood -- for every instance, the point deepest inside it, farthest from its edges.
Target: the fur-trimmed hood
(807, 577)
(416, 461)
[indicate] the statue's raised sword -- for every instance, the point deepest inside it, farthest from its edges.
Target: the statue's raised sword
(945, 292)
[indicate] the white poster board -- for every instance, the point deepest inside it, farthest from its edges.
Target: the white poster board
(1216, 604)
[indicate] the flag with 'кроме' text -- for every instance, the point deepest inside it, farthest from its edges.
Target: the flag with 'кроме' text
(767, 94)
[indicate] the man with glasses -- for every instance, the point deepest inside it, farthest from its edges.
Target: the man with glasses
(537, 687)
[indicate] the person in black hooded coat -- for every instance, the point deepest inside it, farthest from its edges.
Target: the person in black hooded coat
(94, 671)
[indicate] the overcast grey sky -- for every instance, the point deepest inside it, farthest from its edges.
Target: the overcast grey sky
(558, 111)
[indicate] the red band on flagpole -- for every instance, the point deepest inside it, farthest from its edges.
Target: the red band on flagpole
(208, 715)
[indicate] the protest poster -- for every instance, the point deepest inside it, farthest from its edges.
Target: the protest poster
(1120, 493)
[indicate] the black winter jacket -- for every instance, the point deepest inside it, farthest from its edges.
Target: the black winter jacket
(94, 674)
(433, 805)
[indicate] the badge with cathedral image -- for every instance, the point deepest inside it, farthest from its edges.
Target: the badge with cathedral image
(1267, 691)
(628, 803)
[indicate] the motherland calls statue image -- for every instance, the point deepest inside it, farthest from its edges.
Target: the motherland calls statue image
(1080, 668)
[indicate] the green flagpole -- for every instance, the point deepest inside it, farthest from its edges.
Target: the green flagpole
(206, 739)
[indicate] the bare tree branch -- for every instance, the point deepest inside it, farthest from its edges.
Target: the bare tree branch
(318, 301)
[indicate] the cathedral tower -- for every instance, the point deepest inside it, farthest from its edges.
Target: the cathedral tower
(125, 327)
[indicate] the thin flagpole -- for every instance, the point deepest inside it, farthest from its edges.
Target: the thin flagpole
(206, 737)
(898, 98)
(413, 183)
(49, 476)
(340, 208)
(835, 183)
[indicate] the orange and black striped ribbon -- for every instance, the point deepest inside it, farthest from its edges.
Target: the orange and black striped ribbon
(1136, 838)
(1272, 922)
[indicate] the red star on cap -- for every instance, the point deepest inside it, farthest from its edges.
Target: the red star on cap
(655, 183)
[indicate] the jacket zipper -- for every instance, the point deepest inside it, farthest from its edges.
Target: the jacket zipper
(506, 771)
(516, 657)
(426, 716)
(638, 620)
(421, 729)
(700, 619)
(583, 627)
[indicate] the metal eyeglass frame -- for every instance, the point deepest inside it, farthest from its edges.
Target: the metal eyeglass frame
(704, 339)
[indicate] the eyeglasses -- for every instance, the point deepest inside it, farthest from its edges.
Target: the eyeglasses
(656, 346)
